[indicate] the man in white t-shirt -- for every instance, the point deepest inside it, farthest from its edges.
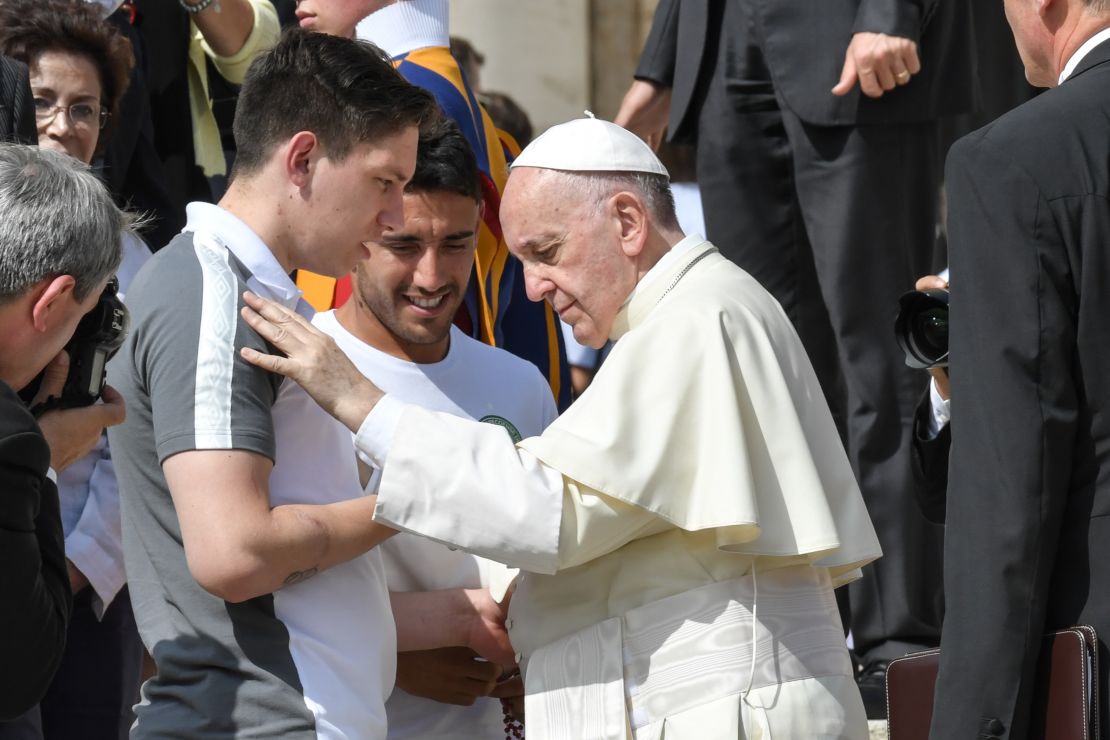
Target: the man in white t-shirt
(397, 329)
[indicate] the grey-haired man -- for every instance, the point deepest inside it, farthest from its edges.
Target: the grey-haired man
(59, 245)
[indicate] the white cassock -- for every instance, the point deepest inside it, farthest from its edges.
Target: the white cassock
(682, 525)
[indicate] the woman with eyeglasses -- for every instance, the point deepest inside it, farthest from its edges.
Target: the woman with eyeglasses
(79, 69)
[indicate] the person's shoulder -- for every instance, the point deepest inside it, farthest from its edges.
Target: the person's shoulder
(1052, 138)
(167, 270)
(179, 273)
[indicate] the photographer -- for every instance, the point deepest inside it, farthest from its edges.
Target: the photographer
(80, 68)
(59, 245)
(932, 436)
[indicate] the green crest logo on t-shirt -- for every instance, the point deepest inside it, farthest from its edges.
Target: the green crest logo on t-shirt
(504, 424)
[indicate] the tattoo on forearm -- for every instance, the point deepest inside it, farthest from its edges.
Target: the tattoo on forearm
(300, 575)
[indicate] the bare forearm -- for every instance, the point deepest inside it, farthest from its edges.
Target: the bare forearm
(295, 543)
(225, 29)
(431, 619)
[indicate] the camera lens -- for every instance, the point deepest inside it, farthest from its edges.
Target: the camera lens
(922, 328)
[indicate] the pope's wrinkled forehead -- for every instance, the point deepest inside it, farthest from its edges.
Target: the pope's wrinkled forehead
(536, 206)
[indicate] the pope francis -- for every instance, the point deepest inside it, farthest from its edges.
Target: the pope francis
(682, 526)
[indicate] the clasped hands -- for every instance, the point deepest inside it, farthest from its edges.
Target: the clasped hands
(481, 664)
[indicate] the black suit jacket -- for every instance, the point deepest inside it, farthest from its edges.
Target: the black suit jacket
(804, 45)
(34, 584)
(17, 108)
(1027, 543)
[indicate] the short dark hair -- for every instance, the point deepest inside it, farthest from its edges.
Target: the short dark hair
(29, 28)
(344, 91)
(445, 162)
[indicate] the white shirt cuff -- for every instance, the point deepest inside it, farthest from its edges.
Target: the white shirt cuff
(375, 435)
(52, 474)
(940, 411)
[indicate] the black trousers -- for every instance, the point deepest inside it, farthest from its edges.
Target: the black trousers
(97, 682)
(837, 222)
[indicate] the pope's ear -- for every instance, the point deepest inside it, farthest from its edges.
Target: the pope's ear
(49, 298)
(632, 217)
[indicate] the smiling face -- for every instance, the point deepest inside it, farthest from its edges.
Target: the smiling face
(572, 253)
(335, 17)
(67, 91)
(407, 291)
(351, 202)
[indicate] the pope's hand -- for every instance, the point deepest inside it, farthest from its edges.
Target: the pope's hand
(486, 633)
(511, 688)
(879, 63)
(312, 359)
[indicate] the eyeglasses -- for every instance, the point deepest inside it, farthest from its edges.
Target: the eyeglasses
(84, 115)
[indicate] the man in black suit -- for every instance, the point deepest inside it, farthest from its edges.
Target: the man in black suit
(1028, 538)
(17, 108)
(818, 159)
(55, 260)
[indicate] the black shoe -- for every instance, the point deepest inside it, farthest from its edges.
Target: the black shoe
(872, 688)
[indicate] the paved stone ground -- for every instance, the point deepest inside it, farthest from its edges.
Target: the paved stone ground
(878, 729)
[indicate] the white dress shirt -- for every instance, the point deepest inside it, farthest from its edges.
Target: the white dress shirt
(1087, 47)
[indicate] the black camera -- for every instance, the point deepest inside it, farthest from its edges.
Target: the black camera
(922, 327)
(97, 338)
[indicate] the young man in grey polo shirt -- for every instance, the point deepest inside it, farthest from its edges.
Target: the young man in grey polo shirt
(235, 489)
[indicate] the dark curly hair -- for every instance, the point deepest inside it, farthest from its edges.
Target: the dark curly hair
(29, 28)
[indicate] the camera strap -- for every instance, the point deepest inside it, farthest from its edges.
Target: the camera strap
(51, 403)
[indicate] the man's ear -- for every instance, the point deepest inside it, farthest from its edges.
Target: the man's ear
(300, 155)
(49, 298)
(1047, 8)
(631, 215)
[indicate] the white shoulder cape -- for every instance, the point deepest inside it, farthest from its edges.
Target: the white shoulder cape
(708, 414)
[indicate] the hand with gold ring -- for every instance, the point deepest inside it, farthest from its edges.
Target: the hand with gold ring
(877, 62)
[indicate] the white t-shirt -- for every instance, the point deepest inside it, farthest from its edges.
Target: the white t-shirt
(474, 381)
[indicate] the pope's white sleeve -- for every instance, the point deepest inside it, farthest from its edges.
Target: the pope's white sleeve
(465, 484)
